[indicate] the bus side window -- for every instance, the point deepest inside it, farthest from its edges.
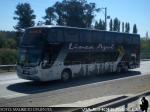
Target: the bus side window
(128, 39)
(137, 40)
(71, 35)
(98, 37)
(85, 36)
(60, 36)
(52, 36)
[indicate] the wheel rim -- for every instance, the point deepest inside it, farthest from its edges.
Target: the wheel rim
(65, 76)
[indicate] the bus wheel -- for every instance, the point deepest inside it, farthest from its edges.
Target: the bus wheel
(125, 69)
(118, 69)
(66, 75)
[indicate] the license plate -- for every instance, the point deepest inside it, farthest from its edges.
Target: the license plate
(25, 72)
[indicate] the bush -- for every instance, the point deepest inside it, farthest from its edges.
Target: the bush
(145, 48)
(145, 45)
(8, 56)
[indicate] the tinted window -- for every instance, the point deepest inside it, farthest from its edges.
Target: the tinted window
(101, 57)
(77, 58)
(60, 36)
(71, 35)
(98, 37)
(119, 38)
(52, 37)
(107, 37)
(136, 40)
(85, 36)
(34, 36)
(128, 39)
(90, 57)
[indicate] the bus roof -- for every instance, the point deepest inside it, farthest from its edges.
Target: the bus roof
(68, 27)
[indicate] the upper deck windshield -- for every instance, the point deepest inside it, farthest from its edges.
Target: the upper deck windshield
(34, 37)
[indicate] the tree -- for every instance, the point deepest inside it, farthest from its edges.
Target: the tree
(8, 39)
(146, 36)
(96, 26)
(77, 13)
(2, 39)
(8, 56)
(10, 43)
(50, 16)
(24, 15)
(60, 10)
(100, 25)
(127, 27)
(111, 25)
(134, 29)
(122, 26)
(116, 26)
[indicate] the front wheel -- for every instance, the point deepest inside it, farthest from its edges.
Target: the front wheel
(65, 76)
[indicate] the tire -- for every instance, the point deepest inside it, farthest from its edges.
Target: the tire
(125, 69)
(118, 69)
(66, 75)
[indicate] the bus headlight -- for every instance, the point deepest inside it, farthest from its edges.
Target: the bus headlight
(34, 71)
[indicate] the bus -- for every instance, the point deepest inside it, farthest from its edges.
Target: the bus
(59, 52)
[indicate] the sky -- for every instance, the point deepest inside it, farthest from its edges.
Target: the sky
(132, 11)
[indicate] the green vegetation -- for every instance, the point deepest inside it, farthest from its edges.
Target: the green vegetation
(8, 46)
(145, 48)
(24, 15)
(116, 26)
(8, 56)
(100, 25)
(145, 45)
(77, 13)
(135, 29)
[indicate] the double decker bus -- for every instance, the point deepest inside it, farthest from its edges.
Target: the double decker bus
(58, 52)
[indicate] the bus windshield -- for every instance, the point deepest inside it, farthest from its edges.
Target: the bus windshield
(34, 37)
(29, 56)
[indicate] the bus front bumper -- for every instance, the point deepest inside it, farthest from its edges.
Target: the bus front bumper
(28, 73)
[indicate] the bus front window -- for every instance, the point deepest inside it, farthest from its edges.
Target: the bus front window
(29, 56)
(34, 37)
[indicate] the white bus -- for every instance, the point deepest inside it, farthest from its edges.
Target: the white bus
(58, 52)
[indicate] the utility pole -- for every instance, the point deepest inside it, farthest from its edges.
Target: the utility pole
(106, 17)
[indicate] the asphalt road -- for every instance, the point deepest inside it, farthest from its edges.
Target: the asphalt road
(11, 86)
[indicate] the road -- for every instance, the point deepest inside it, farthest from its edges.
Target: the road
(131, 82)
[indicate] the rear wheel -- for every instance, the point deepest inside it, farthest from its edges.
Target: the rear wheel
(118, 69)
(122, 69)
(66, 75)
(125, 69)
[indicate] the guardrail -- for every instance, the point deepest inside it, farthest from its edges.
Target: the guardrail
(145, 55)
(8, 67)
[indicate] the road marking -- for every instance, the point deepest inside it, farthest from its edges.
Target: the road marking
(89, 102)
(13, 96)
